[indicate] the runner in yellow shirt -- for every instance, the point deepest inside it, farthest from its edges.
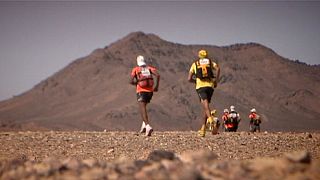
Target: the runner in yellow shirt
(207, 75)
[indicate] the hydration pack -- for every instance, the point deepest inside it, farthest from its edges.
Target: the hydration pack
(204, 69)
(233, 116)
(144, 77)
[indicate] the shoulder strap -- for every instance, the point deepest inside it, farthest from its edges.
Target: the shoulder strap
(196, 63)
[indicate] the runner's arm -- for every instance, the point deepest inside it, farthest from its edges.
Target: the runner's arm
(133, 79)
(191, 73)
(217, 68)
(157, 75)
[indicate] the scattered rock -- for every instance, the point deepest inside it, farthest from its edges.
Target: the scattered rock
(42, 169)
(72, 164)
(158, 155)
(94, 174)
(227, 156)
(201, 156)
(299, 157)
(110, 150)
(90, 163)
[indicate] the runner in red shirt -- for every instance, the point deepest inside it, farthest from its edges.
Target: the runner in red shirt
(143, 77)
(255, 121)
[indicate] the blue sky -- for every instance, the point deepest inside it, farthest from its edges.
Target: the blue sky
(37, 39)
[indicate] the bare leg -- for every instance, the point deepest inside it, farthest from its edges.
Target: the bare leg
(206, 110)
(206, 114)
(143, 112)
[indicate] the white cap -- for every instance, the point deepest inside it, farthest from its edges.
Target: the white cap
(253, 110)
(141, 61)
(225, 110)
(232, 108)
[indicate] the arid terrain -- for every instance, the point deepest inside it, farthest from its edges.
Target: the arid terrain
(92, 93)
(164, 155)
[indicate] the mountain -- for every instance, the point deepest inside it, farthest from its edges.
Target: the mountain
(93, 93)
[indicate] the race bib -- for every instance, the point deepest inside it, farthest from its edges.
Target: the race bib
(204, 61)
(145, 72)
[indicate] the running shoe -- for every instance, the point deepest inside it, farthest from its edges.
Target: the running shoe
(149, 130)
(143, 128)
(202, 131)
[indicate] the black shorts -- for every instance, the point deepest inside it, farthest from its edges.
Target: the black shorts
(144, 96)
(205, 93)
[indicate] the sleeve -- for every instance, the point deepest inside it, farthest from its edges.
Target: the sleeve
(133, 72)
(192, 68)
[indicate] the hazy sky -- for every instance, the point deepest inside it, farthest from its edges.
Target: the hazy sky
(39, 38)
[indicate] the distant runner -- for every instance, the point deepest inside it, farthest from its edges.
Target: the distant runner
(234, 118)
(142, 76)
(228, 126)
(255, 121)
(214, 125)
(203, 69)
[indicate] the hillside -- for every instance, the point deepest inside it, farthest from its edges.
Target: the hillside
(165, 155)
(93, 93)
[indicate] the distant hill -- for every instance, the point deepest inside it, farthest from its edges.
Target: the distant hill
(93, 93)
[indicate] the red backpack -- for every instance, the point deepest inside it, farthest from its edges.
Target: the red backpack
(144, 77)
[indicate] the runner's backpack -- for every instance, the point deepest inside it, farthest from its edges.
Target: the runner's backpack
(233, 116)
(144, 77)
(204, 69)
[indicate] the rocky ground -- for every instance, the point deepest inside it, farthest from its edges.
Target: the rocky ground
(165, 155)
